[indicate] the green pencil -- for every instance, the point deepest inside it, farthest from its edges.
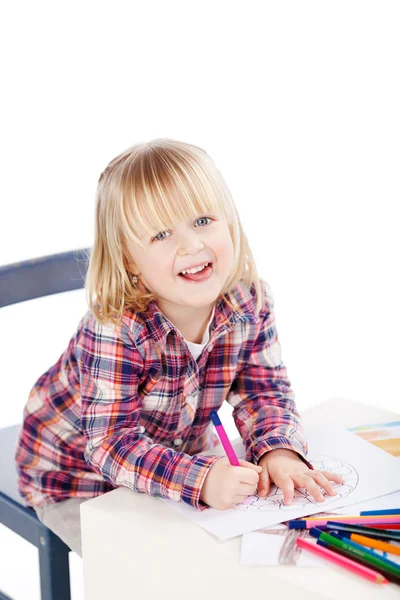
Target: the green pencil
(357, 550)
(382, 570)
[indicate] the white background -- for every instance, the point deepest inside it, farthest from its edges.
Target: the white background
(296, 102)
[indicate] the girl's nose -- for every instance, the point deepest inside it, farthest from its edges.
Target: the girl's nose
(189, 242)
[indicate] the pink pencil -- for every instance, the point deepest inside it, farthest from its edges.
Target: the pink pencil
(347, 563)
(233, 459)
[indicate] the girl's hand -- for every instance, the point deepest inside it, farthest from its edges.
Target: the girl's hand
(286, 469)
(226, 485)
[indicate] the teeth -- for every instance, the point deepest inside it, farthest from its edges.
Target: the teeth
(195, 270)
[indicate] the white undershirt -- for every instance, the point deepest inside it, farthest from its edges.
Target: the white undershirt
(197, 349)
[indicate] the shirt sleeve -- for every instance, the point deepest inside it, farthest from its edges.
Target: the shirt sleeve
(263, 403)
(111, 368)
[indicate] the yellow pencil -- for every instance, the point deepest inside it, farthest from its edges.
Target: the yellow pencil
(378, 544)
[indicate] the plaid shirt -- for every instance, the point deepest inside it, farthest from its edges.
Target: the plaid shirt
(128, 405)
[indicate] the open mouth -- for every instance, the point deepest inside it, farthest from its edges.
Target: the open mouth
(200, 275)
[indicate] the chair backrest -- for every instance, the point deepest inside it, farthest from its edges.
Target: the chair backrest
(43, 276)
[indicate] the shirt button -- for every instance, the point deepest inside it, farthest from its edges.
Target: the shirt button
(178, 442)
(142, 429)
(210, 347)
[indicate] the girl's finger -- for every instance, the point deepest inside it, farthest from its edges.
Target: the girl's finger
(264, 484)
(241, 497)
(249, 465)
(287, 487)
(333, 476)
(247, 476)
(314, 489)
(323, 482)
(247, 488)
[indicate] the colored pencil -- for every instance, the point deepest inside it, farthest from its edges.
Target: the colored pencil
(391, 528)
(357, 550)
(371, 543)
(388, 511)
(376, 538)
(371, 519)
(380, 526)
(308, 523)
(233, 459)
(371, 553)
(342, 561)
(361, 561)
(386, 534)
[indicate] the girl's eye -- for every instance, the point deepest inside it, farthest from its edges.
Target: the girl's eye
(208, 219)
(159, 239)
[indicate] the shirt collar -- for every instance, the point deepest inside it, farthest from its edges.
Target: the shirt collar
(153, 324)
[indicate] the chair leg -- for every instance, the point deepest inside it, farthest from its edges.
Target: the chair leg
(54, 567)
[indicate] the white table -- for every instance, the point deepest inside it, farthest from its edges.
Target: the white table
(135, 546)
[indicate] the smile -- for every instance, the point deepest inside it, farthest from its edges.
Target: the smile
(195, 268)
(198, 276)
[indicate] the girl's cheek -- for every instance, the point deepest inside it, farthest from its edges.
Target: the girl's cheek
(163, 267)
(224, 250)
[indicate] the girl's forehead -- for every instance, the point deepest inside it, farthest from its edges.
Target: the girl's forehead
(149, 217)
(149, 211)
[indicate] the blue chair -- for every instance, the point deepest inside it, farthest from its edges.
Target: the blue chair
(19, 282)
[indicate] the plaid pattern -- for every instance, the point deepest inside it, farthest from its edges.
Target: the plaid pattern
(128, 405)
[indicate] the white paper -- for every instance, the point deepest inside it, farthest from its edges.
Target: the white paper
(381, 503)
(368, 472)
(273, 549)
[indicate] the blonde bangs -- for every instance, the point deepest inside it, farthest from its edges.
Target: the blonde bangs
(163, 188)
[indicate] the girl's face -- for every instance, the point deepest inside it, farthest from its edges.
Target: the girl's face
(195, 241)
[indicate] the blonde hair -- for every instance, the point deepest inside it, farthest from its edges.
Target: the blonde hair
(145, 189)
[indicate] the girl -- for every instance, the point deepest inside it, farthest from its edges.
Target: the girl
(178, 322)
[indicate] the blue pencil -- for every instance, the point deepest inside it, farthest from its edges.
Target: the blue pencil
(388, 534)
(371, 513)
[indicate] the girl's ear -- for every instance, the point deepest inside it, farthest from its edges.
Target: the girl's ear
(131, 267)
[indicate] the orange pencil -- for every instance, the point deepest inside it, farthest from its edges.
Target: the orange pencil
(345, 518)
(308, 522)
(372, 543)
(338, 559)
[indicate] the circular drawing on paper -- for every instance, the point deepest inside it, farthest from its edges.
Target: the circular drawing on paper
(302, 497)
